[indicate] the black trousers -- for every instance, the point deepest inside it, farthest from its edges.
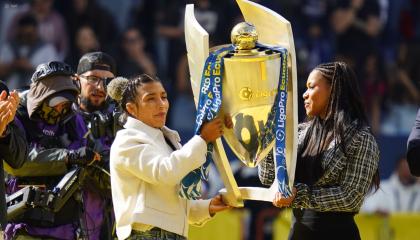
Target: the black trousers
(309, 224)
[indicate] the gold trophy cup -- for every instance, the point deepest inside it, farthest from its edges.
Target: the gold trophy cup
(250, 85)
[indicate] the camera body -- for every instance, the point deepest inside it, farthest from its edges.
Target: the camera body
(101, 124)
(41, 206)
(105, 124)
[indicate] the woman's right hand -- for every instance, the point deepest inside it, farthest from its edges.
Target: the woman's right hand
(217, 205)
(212, 130)
(280, 201)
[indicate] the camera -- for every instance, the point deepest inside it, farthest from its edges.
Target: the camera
(100, 124)
(105, 124)
(42, 206)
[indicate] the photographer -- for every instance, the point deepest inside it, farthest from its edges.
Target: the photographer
(56, 145)
(94, 72)
(13, 147)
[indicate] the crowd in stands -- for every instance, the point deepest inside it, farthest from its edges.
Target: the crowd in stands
(379, 38)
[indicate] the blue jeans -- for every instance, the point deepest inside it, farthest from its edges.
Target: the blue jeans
(155, 234)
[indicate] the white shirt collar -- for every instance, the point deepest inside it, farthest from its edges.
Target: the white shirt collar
(151, 131)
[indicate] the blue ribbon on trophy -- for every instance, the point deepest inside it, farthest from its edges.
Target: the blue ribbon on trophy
(280, 128)
(209, 104)
(277, 121)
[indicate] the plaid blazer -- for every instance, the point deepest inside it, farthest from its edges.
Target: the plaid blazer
(346, 178)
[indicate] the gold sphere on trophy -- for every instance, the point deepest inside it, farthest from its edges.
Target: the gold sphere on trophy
(244, 36)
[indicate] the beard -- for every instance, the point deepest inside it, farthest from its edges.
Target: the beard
(90, 107)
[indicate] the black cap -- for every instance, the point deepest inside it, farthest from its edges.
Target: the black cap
(53, 68)
(3, 87)
(96, 60)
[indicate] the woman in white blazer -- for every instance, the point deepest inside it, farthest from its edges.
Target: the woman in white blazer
(148, 163)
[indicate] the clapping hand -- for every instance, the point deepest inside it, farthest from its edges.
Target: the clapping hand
(8, 107)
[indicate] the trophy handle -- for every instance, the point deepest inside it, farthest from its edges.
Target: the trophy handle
(197, 43)
(231, 194)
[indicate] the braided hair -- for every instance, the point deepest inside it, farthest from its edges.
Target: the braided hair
(345, 104)
(344, 109)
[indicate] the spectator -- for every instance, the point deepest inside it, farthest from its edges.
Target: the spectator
(315, 47)
(209, 17)
(133, 58)
(170, 45)
(399, 193)
(13, 146)
(373, 86)
(357, 26)
(20, 56)
(143, 15)
(182, 111)
(403, 97)
(401, 104)
(51, 26)
(120, 11)
(80, 13)
(410, 39)
(85, 42)
(8, 12)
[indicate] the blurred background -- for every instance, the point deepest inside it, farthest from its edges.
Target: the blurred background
(379, 38)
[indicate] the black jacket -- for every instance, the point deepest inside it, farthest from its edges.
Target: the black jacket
(47, 151)
(413, 148)
(14, 151)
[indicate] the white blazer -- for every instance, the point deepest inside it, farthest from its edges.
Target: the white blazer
(145, 179)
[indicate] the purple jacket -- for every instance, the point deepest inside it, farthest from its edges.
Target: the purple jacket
(46, 160)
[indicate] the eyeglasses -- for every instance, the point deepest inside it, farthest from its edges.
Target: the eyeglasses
(94, 80)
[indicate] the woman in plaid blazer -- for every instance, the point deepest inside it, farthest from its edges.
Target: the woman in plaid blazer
(337, 160)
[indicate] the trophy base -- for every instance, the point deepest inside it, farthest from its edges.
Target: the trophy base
(253, 193)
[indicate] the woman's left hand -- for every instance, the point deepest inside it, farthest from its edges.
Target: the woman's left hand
(217, 205)
(280, 201)
(228, 121)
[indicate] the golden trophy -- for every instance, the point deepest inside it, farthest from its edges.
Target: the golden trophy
(251, 79)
